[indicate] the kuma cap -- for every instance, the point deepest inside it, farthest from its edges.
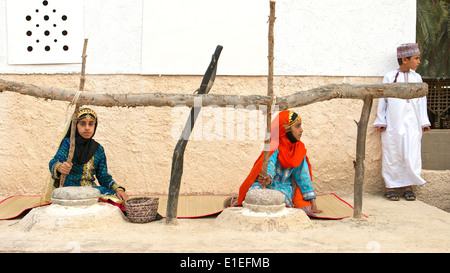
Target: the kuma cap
(408, 50)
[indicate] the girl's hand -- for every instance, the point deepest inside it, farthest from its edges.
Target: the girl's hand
(122, 195)
(65, 168)
(264, 180)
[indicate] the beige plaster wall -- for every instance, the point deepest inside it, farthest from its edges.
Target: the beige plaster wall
(139, 142)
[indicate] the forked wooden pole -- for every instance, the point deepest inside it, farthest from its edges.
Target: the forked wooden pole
(360, 156)
(178, 153)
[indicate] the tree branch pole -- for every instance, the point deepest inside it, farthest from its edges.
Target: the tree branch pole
(178, 153)
(75, 112)
(360, 156)
(270, 56)
(269, 91)
(295, 99)
(267, 139)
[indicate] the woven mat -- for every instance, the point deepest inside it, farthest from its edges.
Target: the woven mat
(194, 206)
(189, 206)
(14, 206)
(333, 207)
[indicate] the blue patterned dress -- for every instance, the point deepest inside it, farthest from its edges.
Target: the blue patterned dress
(286, 180)
(85, 174)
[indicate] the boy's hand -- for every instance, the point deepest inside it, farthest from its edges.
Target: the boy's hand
(381, 129)
(426, 128)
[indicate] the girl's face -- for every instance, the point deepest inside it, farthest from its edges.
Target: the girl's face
(297, 130)
(86, 128)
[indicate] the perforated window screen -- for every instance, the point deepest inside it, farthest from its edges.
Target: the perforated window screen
(44, 32)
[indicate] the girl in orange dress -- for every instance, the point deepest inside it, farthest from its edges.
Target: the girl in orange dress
(289, 170)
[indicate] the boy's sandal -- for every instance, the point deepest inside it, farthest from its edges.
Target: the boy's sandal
(391, 195)
(409, 195)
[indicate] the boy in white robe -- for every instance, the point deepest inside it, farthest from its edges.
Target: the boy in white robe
(401, 122)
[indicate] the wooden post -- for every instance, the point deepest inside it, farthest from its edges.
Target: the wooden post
(83, 66)
(269, 91)
(178, 154)
(360, 156)
(267, 140)
(74, 116)
(271, 46)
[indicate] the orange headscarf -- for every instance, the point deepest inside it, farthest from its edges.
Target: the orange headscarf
(290, 155)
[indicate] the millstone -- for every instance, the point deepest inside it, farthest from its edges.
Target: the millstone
(65, 219)
(264, 197)
(263, 210)
(264, 200)
(75, 196)
(241, 218)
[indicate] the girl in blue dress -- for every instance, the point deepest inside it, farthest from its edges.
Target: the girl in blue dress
(89, 160)
(289, 170)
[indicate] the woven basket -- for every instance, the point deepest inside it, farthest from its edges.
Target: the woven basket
(142, 209)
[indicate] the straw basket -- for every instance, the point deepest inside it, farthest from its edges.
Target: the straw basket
(142, 209)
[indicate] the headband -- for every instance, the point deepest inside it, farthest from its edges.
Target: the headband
(293, 119)
(87, 113)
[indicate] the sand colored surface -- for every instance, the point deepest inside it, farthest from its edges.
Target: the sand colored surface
(391, 227)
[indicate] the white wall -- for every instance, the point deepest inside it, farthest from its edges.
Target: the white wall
(114, 30)
(342, 38)
(326, 37)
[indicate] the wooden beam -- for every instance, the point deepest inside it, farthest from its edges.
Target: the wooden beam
(297, 99)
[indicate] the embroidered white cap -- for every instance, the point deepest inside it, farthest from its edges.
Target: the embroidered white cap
(408, 50)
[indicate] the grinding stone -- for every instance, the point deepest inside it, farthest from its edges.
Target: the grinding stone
(75, 196)
(264, 197)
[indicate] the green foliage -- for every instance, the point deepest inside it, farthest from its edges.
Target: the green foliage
(433, 33)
